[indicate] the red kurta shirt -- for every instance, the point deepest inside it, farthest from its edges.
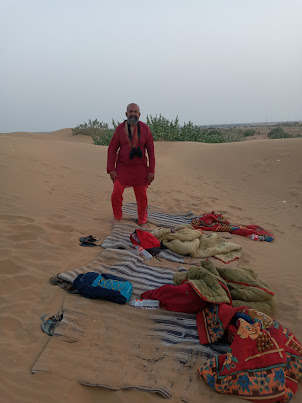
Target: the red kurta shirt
(131, 172)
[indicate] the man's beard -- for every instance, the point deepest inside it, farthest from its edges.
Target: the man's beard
(132, 120)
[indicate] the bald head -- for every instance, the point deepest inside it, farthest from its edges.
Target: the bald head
(133, 113)
(132, 107)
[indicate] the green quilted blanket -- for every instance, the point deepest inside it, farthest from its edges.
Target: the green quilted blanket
(185, 240)
(236, 286)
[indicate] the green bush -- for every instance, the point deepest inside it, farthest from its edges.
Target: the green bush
(249, 132)
(163, 129)
(234, 136)
(212, 136)
(277, 133)
(103, 137)
(220, 136)
(92, 128)
(115, 124)
(190, 132)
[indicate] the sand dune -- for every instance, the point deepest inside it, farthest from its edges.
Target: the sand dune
(54, 189)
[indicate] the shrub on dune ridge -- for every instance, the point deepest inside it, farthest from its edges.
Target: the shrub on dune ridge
(164, 129)
(103, 137)
(277, 133)
(219, 136)
(99, 131)
(249, 132)
(87, 129)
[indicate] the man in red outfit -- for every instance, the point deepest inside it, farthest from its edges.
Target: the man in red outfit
(127, 162)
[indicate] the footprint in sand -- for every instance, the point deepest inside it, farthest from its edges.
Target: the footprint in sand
(197, 205)
(249, 219)
(24, 232)
(299, 181)
(261, 166)
(212, 199)
(299, 227)
(51, 189)
(55, 217)
(258, 164)
(178, 204)
(245, 259)
(9, 267)
(235, 208)
(296, 194)
(11, 217)
(61, 227)
(270, 226)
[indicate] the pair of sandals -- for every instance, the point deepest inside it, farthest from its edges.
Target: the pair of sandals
(89, 241)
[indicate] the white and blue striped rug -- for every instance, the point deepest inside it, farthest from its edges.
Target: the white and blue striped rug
(120, 239)
(159, 218)
(172, 327)
(121, 347)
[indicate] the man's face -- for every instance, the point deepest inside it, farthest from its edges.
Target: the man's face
(133, 114)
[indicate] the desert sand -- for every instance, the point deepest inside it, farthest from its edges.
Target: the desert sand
(54, 189)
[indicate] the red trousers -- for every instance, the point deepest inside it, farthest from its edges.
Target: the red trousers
(141, 200)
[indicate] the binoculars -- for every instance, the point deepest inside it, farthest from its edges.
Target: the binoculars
(135, 152)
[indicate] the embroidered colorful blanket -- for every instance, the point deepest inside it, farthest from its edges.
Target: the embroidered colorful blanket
(234, 286)
(216, 222)
(264, 361)
(185, 240)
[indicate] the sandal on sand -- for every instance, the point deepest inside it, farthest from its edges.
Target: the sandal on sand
(88, 241)
(48, 325)
(64, 284)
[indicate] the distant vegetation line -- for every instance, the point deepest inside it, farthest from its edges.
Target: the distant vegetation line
(164, 129)
(255, 124)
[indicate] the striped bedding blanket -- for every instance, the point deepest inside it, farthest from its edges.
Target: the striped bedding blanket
(159, 218)
(226, 252)
(144, 277)
(120, 347)
(120, 239)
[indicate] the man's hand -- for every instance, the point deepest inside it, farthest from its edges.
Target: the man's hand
(113, 175)
(150, 178)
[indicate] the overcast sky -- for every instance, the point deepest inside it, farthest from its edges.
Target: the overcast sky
(209, 61)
